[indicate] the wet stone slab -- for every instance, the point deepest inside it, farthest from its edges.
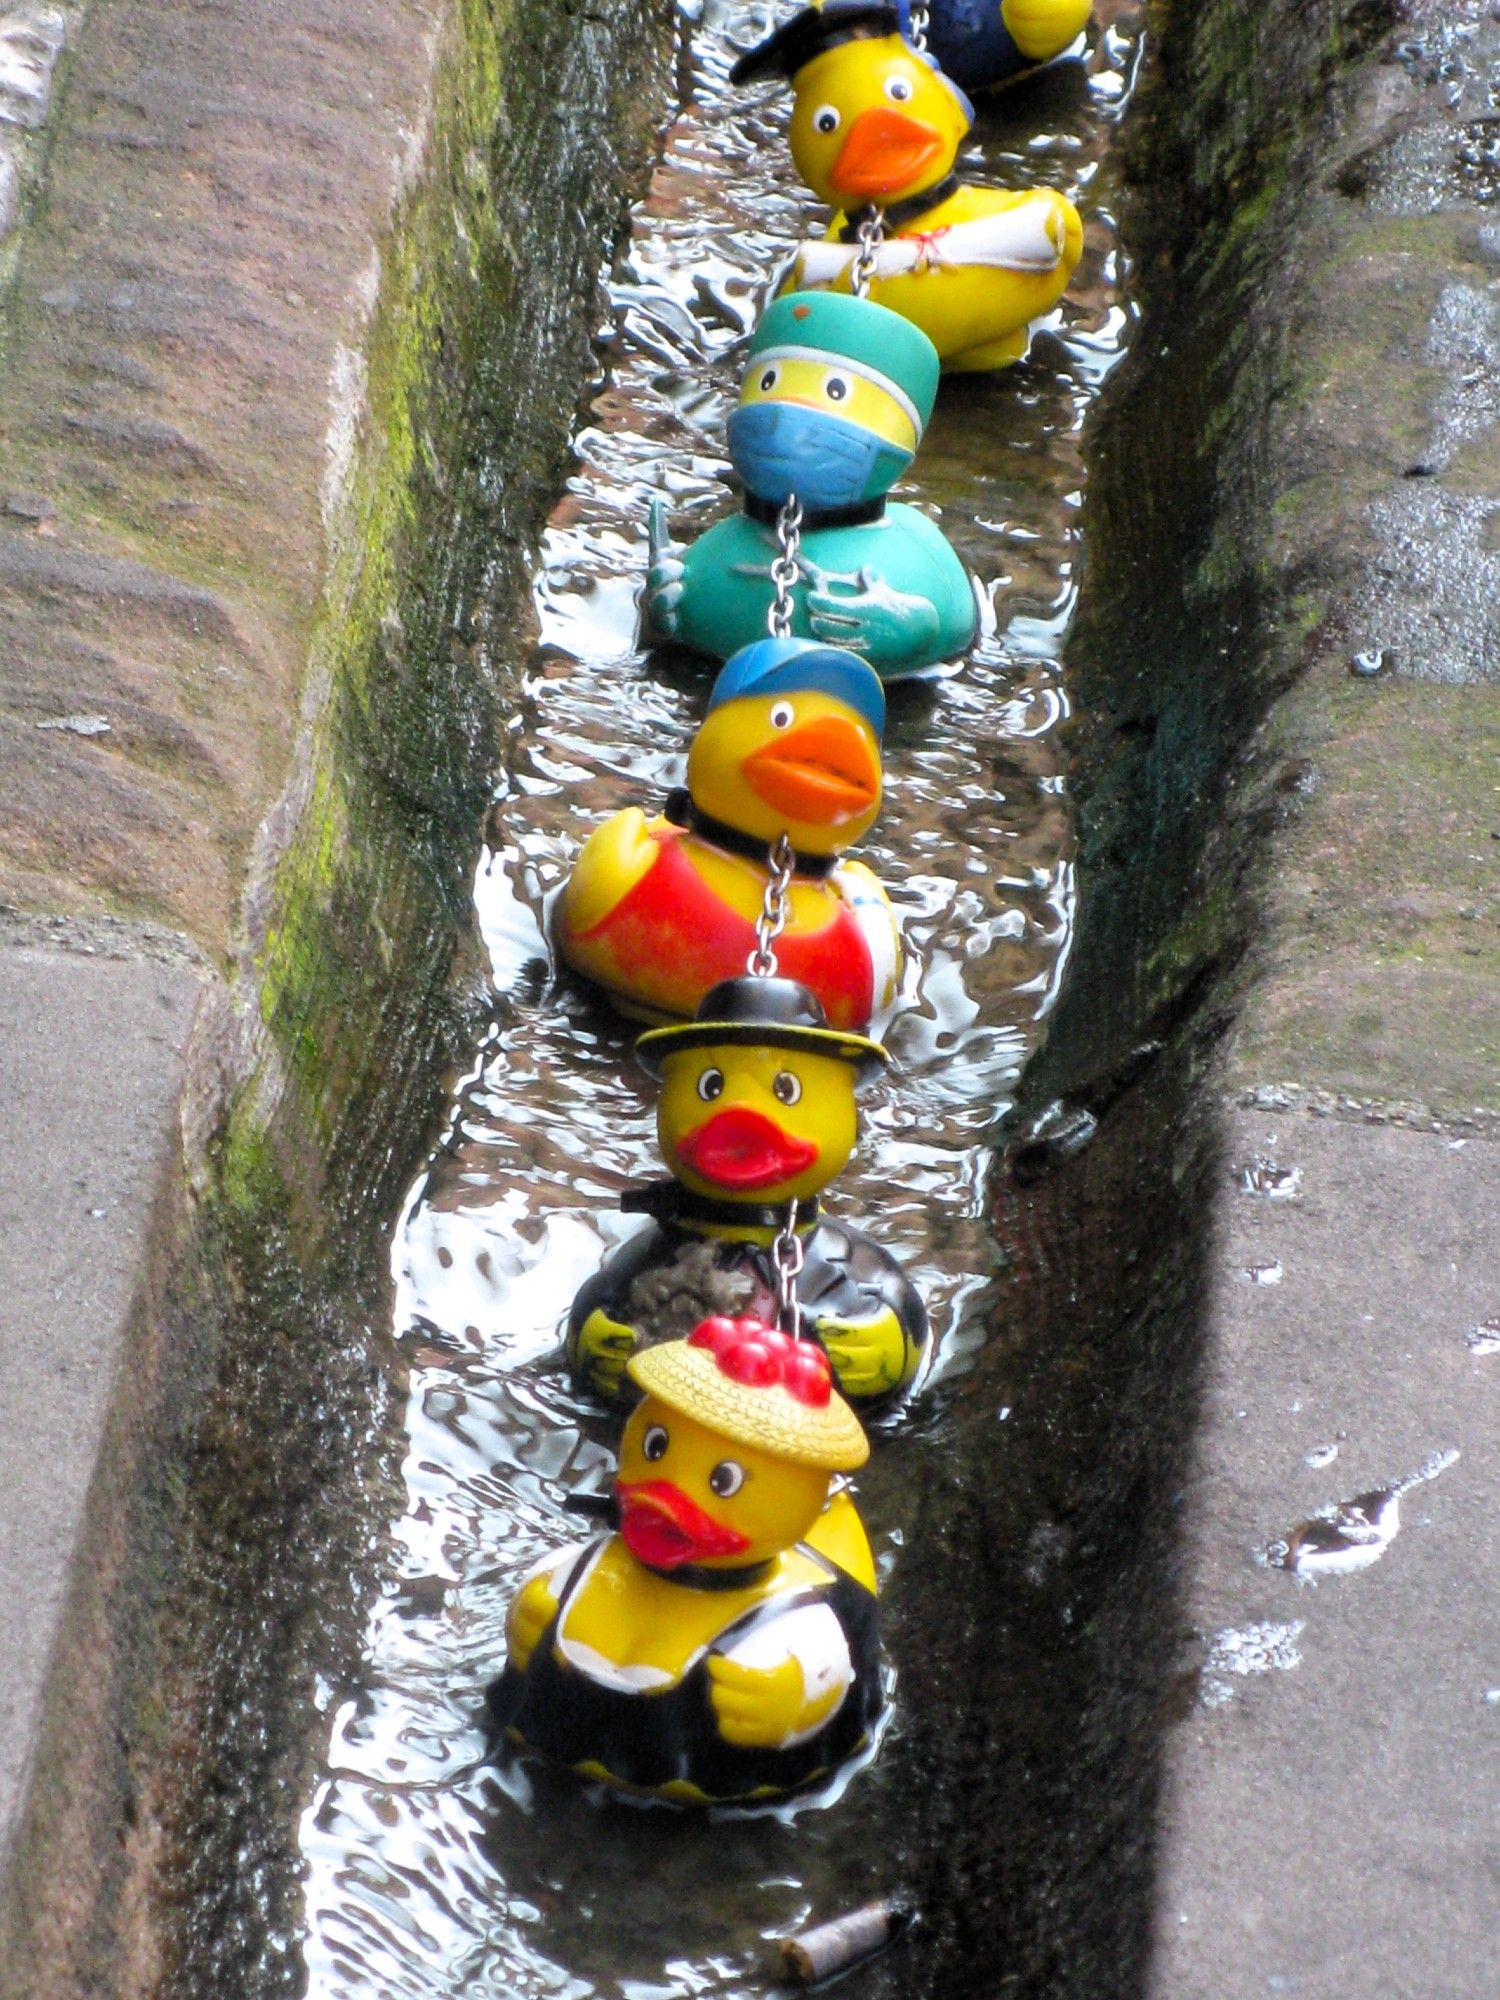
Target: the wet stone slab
(90, 1065)
(1330, 1819)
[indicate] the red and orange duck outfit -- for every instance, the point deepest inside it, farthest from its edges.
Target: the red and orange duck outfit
(659, 911)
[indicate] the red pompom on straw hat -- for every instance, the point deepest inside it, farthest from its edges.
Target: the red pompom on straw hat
(760, 1387)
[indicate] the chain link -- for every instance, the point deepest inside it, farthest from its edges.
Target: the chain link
(788, 1254)
(869, 234)
(784, 570)
(916, 24)
(782, 862)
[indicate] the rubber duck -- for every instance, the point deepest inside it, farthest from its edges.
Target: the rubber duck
(658, 911)
(875, 130)
(982, 43)
(756, 1111)
(721, 1643)
(836, 395)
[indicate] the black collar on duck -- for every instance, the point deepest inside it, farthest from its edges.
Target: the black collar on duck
(681, 811)
(856, 515)
(897, 214)
(698, 1576)
(671, 1202)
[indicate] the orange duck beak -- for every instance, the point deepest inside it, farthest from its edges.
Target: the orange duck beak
(884, 153)
(822, 774)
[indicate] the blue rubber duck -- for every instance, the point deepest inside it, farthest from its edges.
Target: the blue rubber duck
(982, 43)
(836, 395)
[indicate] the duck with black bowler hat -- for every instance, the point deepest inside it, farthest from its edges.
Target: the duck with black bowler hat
(755, 1118)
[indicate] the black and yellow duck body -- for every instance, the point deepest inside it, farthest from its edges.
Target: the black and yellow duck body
(757, 1111)
(721, 1645)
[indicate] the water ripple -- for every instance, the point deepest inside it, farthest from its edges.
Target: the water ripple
(429, 1874)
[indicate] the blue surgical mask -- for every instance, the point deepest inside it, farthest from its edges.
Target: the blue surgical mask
(782, 448)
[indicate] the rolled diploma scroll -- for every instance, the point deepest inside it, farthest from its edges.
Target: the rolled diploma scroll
(1028, 237)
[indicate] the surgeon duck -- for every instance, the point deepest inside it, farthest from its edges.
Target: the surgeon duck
(836, 394)
(659, 910)
(756, 1111)
(722, 1644)
(875, 131)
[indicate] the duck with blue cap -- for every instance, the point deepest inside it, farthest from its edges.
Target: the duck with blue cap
(836, 395)
(657, 911)
(875, 131)
(756, 1112)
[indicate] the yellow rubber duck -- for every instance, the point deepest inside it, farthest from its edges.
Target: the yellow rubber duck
(722, 1643)
(757, 1110)
(875, 131)
(659, 911)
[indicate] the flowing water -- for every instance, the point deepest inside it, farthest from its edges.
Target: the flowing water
(429, 1872)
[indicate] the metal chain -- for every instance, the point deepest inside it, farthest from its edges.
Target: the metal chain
(782, 862)
(784, 571)
(916, 24)
(788, 1254)
(869, 234)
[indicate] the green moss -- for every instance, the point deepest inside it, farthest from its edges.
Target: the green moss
(1257, 825)
(493, 253)
(1199, 939)
(372, 886)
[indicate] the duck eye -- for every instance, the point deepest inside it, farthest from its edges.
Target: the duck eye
(786, 1086)
(836, 388)
(769, 379)
(781, 715)
(654, 1443)
(825, 119)
(726, 1479)
(711, 1085)
(898, 89)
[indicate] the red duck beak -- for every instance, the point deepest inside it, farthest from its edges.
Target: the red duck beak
(820, 774)
(742, 1149)
(664, 1529)
(884, 153)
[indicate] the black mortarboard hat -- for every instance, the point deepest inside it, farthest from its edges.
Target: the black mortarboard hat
(810, 32)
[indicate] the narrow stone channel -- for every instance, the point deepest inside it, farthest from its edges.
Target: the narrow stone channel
(429, 1873)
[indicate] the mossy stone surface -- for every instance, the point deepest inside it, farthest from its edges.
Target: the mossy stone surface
(292, 350)
(1303, 467)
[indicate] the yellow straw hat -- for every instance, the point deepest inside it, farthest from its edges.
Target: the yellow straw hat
(757, 1387)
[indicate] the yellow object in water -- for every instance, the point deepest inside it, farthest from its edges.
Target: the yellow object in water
(722, 1644)
(875, 131)
(659, 911)
(756, 1112)
(1042, 29)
